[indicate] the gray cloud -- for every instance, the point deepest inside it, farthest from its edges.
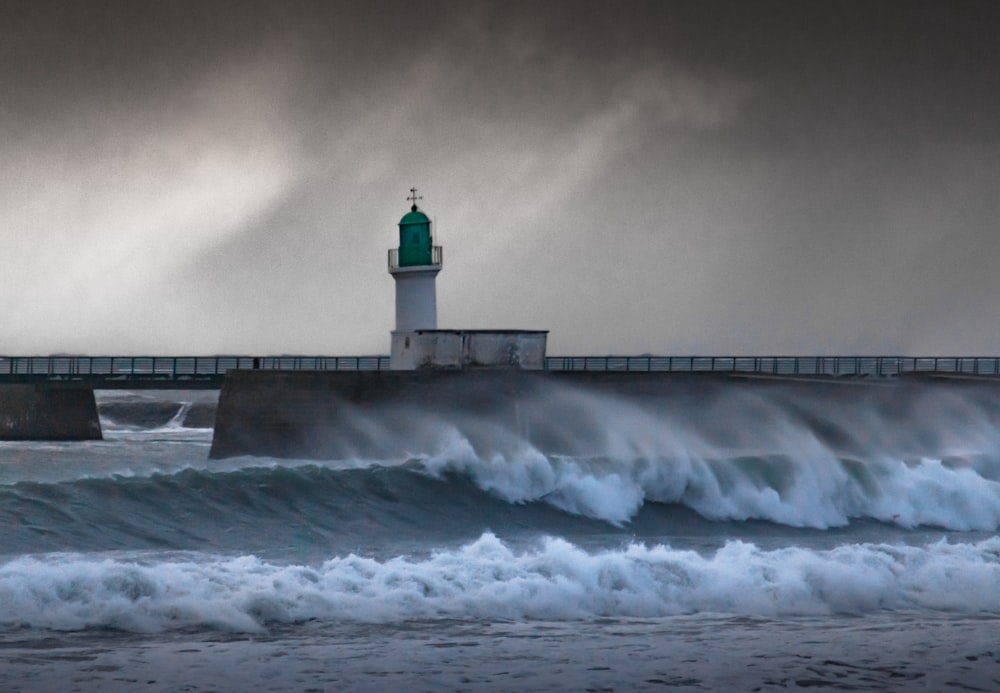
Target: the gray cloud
(754, 177)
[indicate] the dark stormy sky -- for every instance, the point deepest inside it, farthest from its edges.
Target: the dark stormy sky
(663, 177)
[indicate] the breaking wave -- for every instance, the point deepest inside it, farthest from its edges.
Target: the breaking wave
(170, 411)
(445, 498)
(822, 458)
(798, 454)
(554, 580)
(818, 490)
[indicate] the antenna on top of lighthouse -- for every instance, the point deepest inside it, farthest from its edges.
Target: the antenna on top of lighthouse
(413, 198)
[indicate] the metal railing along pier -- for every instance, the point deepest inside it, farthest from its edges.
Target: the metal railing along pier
(210, 370)
(204, 371)
(835, 366)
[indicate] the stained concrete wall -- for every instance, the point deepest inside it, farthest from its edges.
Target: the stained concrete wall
(521, 349)
(48, 412)
(398, 414)
(336, 414)
(388, 414)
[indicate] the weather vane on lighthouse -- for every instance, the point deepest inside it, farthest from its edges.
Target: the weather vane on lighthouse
(413, 198)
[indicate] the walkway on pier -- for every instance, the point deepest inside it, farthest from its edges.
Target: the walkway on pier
(182, 372)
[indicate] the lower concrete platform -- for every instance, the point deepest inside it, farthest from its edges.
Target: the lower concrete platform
(43, 411)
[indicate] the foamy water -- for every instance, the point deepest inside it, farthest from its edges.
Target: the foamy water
(487, 580)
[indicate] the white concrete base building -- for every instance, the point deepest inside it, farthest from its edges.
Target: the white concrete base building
(523, 349)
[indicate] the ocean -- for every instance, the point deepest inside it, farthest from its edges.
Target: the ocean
(760, 538)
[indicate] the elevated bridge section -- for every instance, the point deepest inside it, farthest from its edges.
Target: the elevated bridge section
(207, 372)
(164, 372)
(787, 366)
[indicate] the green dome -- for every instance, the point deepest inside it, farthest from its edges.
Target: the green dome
(414, 216)
(415, 245)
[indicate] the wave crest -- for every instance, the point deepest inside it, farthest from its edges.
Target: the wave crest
(818, 491)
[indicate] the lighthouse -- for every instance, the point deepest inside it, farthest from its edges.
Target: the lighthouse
(417, 343)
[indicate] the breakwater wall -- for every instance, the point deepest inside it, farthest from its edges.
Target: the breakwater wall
(46, 412)
(321, 415)
(386, 414)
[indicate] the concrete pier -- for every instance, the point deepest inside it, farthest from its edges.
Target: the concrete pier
(45, 411)
(393, 415)
(335, 414)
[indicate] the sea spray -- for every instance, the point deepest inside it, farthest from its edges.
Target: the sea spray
(795, 456)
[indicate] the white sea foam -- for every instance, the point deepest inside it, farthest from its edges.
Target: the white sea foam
(744, 456)
(487, 580)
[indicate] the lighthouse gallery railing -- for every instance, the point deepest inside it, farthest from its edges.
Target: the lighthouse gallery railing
(437, 255)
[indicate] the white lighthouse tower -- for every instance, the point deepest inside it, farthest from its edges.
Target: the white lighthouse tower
(414, 265)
